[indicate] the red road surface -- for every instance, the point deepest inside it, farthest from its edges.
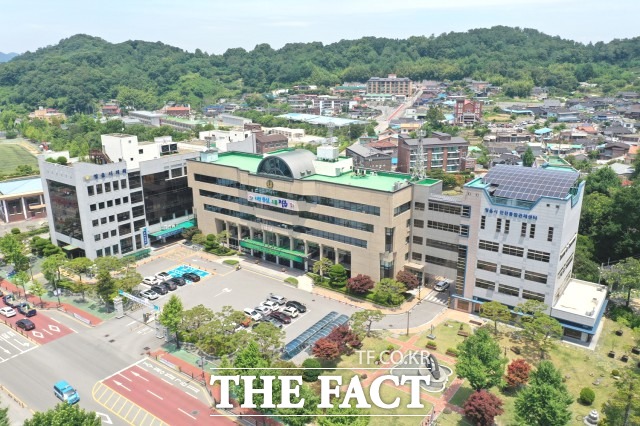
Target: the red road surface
(167, 402)
(47, 330)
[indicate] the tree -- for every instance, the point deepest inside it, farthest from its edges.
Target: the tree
(269, 338)
(389, 292)
(128, 280)
(360, 284)
(37, 289)
(495, 311)
(171, 316)
(105, 287)
(529, 308)
(545, 401)
(528, 157)
(218, 336)
(603, 180)
(482, 408)
(480, 360)
(337, 276)
(321, 266)
(64, 415)
(51, 267)
(409, 280)
(21, 279)
(346, 339)
(542, 330)
(192, 321)
(626, 274)
(311, 370)
(326, 349)
(517, 373)
(79, 266)
(82, 288)
(623, 407)
(108, 263)
(362, 321)
(339, 416)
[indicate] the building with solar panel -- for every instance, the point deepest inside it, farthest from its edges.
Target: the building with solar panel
(510, 237)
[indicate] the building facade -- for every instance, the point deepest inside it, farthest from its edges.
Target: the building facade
(441, 151)
(467, 113)
(294, 208)
(391, 85)
(124, 198)
(22, 199)
(510, 237)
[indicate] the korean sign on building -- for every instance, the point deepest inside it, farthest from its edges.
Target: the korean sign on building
(282, 203)
(507, 213)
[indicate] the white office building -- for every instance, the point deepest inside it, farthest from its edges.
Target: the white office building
(121, 199)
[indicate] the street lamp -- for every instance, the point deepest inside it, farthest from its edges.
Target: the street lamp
(408, 316)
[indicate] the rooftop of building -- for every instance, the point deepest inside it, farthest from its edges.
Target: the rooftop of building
(582, 298)
(320, 119)
(380, 181)
(528, 184)
(21, 186)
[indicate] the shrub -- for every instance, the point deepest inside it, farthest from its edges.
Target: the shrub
(391, 348)
(587, 396)
(432, 345)
(62, 160)
(452, 351)
(311, 375)
(230, 262)
(15, 231)
(615, 372)
(291, 281)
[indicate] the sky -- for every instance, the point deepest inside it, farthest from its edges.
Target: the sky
(215, 26)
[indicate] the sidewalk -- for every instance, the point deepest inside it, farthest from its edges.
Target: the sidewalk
(18, 410)
(73, 311)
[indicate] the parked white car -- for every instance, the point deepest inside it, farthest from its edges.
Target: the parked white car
(271, 305)
(151, 281)
(149, 294)
(8, 311)
(291, 311)
(253, 314)
(263, 310)
(163, 276)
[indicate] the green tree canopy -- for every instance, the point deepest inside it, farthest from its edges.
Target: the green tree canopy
(171, 316)
(480, 360)
(545, 401)
(64, 415)
(495, 311)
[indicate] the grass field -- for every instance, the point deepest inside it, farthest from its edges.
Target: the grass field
(14, 156)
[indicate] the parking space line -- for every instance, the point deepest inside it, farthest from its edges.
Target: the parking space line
(106, 389)
(130, 408)
(136, 416)
(125, 401)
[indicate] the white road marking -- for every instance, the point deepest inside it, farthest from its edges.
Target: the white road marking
(5, 350)
(105, 418)
(124, 377)
(166, 381)
(72, 330)
(121, 385)
(55, 320)
(54, 328)
(140, 376)
(157, 396)
(192, 396)
(38, 334)
(48, 332)
(187, 413)
(131, 323)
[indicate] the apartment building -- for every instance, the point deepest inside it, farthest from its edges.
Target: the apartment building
(440, 151)
(390, 85)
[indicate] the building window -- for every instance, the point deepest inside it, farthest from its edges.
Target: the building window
(99, 253)
(532, 230)
(138, 224)
(535, 277)
(418, 223)
(123, 183)
(118, 201)
(532, 295)
(568, 246)
(507, 224)
(107, 187)
(464, 230)
(97, 237)
(99, 188)
(92, 207)
(103, 220)
(125, 199)
(123, 216)
(483, 222)
(565, 266)
(442, 245)
(507, 289)
(388, 239)
(417, 240)
(466, 211)
(124, 229)
(439, 261)
(523, 230)
(116, 185)
(94, 222)
(443, 226)
(90, 190)
(105, 235)
(112, 218)
(402, 208)
(498, 225)
(513, 250)
(100, 206)
(486, 284)
(418, 206)
(489, 246)
(445, 208)
(550, 234)
(109, 203)
(416, 256)
(487, 266)
(114, 232)
(538, 255)
(512, 272)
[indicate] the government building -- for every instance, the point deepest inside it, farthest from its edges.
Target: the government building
(510, 236)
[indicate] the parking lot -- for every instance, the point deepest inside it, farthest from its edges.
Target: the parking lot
(226, 286)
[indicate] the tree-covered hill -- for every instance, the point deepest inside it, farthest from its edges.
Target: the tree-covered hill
(4, 57)
(81, 70)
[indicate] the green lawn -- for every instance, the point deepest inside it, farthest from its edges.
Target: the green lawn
(14, 156)
(388, 394)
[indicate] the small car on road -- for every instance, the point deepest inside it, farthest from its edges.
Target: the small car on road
(170, 285)
(25, 324)
(441, 285)
(63, 391)
(8, 311)
(280, 300)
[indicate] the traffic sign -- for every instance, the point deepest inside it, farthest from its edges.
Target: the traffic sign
(138, 300)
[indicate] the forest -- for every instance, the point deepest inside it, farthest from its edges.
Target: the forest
(79, 71)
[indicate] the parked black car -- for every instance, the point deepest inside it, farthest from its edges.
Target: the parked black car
(170, 285)
(191, 276)
(25, 324)
(179, 281)
(160, 289)
(299, 306)
(285, 319)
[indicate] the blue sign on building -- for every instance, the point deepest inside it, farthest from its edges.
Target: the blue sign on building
(145, 237)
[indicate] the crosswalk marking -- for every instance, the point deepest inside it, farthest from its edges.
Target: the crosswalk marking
(436, 297)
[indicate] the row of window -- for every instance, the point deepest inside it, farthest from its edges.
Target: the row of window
(565, 266)
(99, 188)
(541, 256)
(512, 272)
(126, 246)
(402, 208)
(568, 246)
(353, 224)
(509, 290)
(324, 201)
(109, 203)
(442, 245)
(464, 211)
(301, 229)
(462, 230)
(523, 228)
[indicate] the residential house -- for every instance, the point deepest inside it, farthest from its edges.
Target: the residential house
(467, 113)
(270, 143)
(47, 114)
(178, 111)
(614, 150)
(368, 158)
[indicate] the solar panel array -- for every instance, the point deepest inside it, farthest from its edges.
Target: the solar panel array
(529, 184)
(314, 333)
